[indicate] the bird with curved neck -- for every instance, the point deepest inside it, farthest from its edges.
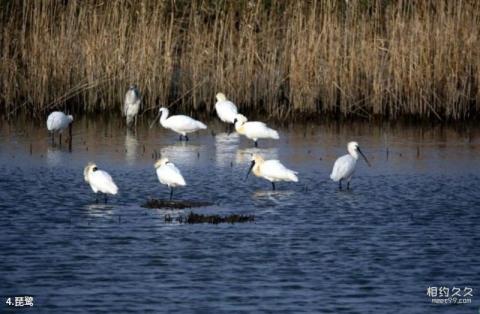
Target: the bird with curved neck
(344, 166)
(180, 123)
(58, 121)
(226, 110)
(99, 180)
(169, 174)
(131, 105)
(271, 170)
(254, 130)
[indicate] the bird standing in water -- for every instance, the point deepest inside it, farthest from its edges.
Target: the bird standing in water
(180, 123)
(57, 121)
(169, 175)
(99, 180)
(254, 129)
(131, 105)
(344, 166)
(272, 170)
(226, 110)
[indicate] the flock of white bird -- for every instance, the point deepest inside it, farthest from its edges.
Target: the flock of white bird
(168, 174)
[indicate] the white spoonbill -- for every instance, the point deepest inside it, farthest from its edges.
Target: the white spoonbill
(272, 170)
(131, 104)
(254, 129)
(169, 175)
(99, 180)
(226, 110)
(57, 121)
(180, 123)
(344, 166)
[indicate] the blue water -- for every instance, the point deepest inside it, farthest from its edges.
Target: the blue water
(410, 222)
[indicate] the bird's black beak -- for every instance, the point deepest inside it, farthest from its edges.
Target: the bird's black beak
(250, 169)
(366, 160)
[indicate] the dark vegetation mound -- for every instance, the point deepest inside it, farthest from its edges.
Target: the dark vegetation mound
(193, 218)
(174, 204)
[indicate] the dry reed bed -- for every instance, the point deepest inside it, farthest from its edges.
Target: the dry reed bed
(349, 58)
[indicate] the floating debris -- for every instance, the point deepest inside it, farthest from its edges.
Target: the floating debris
(174, 204)
(193, 218)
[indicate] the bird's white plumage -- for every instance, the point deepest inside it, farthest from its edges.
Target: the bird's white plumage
(99, 180)
(170, 175)
(274, 171)
(180, 123)
(226, 110)
(131, 104)
(57, 121)
(254, 129)
(343, 168)
(183, 124)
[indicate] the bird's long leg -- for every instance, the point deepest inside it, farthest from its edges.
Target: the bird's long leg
(180, 138)
(340, 184)
(229, 128)
(256, 144)
(273, 186)
(96, 198)
(348, 185)
(53, 139)
(70, 138)
(171, 193)
(105, 198)
(186, 138)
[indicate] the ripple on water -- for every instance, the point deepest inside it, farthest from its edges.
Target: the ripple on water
(405, 225)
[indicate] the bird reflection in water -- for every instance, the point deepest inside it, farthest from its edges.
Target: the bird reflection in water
(131, 146)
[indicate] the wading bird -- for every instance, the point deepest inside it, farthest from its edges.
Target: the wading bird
(57, 121)
(169, 175)
(272, 170)
(254, 129)
(226, 110)
(131, 104)
(180, 123)
(344, 166)
(99, 180)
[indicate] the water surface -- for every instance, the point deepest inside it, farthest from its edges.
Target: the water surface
(410, 222)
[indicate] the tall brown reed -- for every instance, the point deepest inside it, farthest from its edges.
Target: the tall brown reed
(348, 58)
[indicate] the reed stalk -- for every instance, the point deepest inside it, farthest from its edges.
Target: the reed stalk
(363, 58)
